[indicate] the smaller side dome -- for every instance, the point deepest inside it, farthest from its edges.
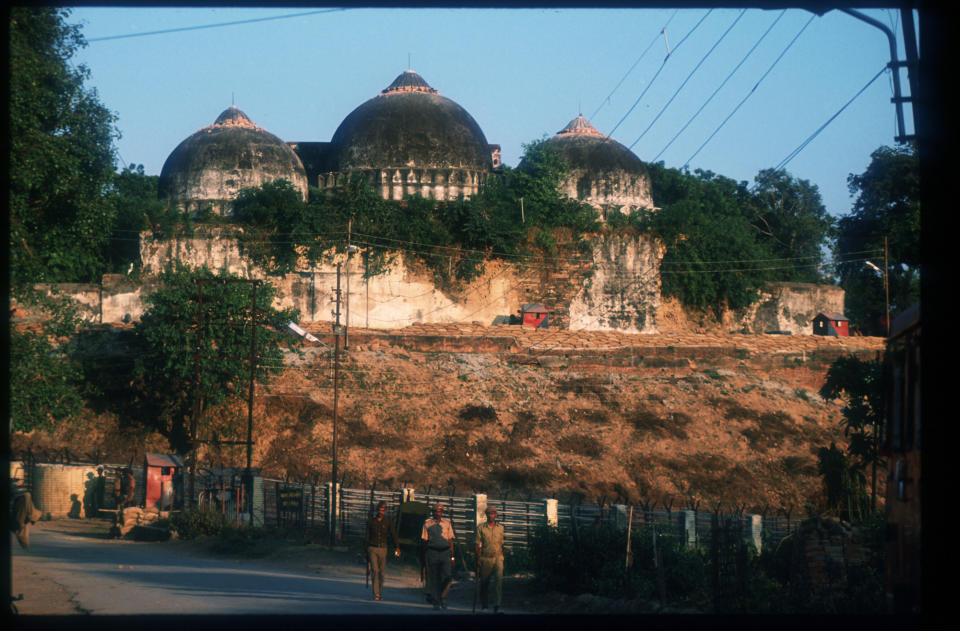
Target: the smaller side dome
(212, 165)
(603, 173)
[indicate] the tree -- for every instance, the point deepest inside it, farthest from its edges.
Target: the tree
(714, 254)
(860, 384)
(136, 208)
(166, 376)
(886, 211)
(61, 155)
(46, 383)
(791, 218)
(276, 224)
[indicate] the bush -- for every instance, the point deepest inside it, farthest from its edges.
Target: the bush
(193, 522)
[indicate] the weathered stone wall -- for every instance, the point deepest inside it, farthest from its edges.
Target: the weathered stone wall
(623, 292)
(790, 307)
(614, 287)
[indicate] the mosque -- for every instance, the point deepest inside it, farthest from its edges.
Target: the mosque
(406, 140)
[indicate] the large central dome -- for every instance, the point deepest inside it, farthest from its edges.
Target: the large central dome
(409, 125)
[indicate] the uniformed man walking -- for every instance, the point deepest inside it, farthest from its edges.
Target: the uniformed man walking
(437, 535)
(490, 560)
(379, 527)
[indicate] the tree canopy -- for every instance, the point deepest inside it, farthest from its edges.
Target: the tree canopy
(724, 240)
(887, 206)
(61, 155)
(175, 331)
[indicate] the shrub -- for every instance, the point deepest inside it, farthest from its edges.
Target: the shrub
(194, 522)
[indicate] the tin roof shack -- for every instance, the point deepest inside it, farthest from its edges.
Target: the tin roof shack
(534, 315)
(834, 324)
(164, 487)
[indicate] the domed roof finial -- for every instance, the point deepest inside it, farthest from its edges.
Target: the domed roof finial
(408, 81)
(580, 126)
(233, 116)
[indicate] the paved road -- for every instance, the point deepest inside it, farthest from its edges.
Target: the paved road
(114, 577)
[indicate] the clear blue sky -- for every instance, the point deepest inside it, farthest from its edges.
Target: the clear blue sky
(522, 74)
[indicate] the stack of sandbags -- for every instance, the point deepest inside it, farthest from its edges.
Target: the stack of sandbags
(129, 519)
(138, 520)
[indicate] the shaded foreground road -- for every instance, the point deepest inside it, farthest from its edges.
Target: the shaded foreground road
(78, 570)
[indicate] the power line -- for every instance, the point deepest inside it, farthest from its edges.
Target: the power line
(684, 83)
(723, 83)
(793, 154)
(218, 25)
(750, 93)
(642, 55)
(665, 59)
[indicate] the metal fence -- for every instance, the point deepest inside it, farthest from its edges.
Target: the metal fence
(519, 518)
(306, 506)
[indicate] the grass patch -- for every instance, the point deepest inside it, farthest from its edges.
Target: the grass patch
(474, 416)
(581, 445)
(589, 415)
(646, 422)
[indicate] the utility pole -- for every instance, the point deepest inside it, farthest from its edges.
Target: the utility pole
(886, 281)
(336, 383)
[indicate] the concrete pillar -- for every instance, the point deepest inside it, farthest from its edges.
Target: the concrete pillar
(258, 509)
(480, 504)
(687, 523)
(620, 516)
(755, 531)
(333, 509)
(550, 508)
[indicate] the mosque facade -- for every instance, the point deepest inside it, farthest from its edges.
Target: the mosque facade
(406, 140)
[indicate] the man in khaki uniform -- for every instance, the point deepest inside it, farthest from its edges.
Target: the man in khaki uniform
(438, 537)
(379, 529)
(490, 560)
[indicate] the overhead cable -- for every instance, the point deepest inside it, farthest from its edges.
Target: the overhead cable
(684, 83)
(720, 87)
(205, 26)
(793, 154)
(642, 55)
(657, 73)
(750, 93)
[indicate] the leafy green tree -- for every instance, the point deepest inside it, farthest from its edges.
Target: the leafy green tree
(860, 384)
(537, 181)
(61, 154)
(887, 207)
(46, 384)
(791, 218)
(166, 378)
(137, 208)
(276, 223)
(714, 256)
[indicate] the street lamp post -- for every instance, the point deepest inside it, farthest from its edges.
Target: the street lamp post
(886, 284)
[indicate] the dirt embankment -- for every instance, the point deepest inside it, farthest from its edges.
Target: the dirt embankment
(518, 413)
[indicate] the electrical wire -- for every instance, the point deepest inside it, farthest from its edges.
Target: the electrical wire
(720, 87)
(657, 74)
(751, 92)
(656, 37)
(793, 154)
(218, 25)
(689, 75)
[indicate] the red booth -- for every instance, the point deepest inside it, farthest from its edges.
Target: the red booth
(534, 315)
(834, 324)
(163, 473)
